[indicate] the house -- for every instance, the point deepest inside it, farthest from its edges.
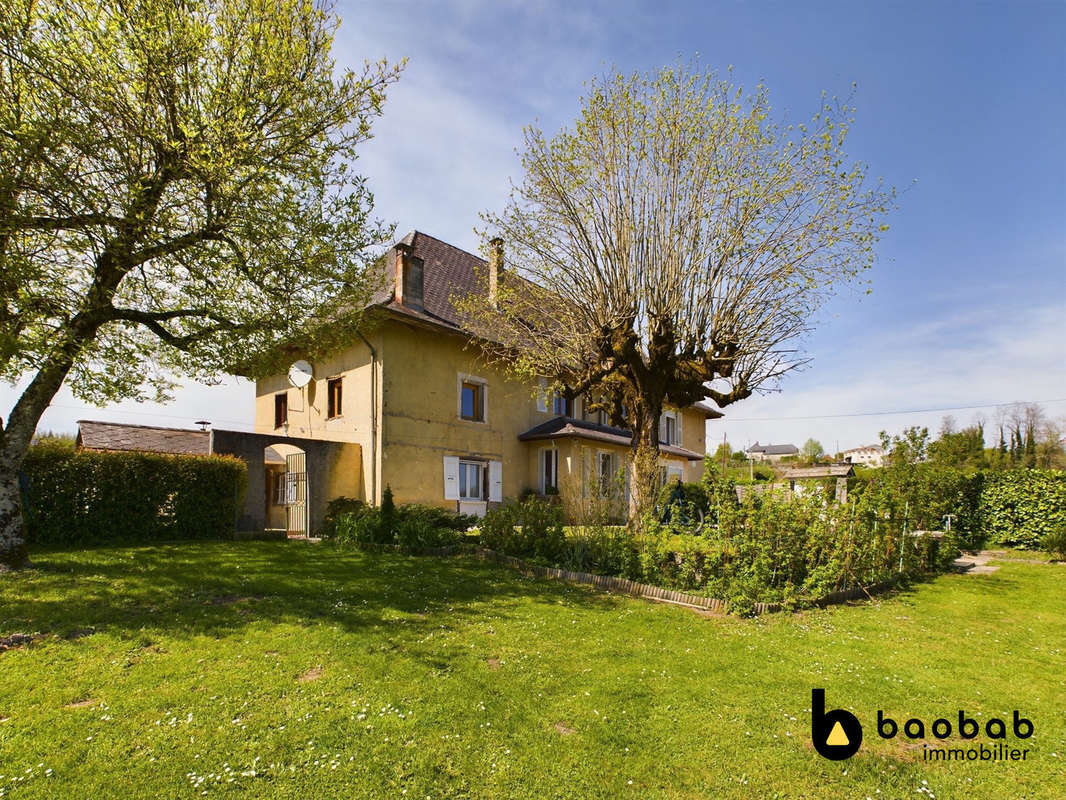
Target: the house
(772, 453)
(429, 417)
(797, 478)
(870, 455)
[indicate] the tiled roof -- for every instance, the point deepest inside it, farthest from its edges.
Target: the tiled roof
(832, 471)
(94, 435)
(562, 427)
(774, 449)
(447, 271)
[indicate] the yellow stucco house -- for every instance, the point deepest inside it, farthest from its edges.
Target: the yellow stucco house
(430, 418)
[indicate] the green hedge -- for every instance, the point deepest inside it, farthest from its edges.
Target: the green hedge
(81, 497)
(1020, 507)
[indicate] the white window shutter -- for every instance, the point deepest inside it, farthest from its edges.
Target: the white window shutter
(542, 395)
(495, 481)
(680, 440)
(451, 477)
(662, 428)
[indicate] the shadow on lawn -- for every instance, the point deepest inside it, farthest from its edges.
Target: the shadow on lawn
(215, 588)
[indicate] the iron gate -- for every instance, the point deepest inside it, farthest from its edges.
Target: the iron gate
(296, 494)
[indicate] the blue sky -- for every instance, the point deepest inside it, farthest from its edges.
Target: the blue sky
(961, 106)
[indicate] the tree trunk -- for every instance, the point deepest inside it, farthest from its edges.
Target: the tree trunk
(12, 539)
(644, 470)
(15, 441)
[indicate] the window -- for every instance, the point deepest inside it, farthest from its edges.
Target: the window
(668, 428)
(606, 471)
(334, 389)
(281, 410)
(549, 471)
(471, 480)
(472, 401)
(562, 405)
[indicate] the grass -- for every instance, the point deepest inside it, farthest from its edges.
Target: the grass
(298, 671)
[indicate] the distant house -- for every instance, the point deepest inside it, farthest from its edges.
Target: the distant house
(870, 455)
(797, 477)
(771, 452)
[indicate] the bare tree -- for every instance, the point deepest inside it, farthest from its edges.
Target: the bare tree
(672, 247)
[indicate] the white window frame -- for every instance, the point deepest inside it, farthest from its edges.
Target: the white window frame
(465, 468)
(484, 384)
(612, 474)
(548, 456)
(665, 436)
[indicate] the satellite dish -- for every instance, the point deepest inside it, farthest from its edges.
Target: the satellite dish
(300, 374)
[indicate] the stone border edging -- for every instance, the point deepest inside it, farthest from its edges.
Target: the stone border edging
(622, 585)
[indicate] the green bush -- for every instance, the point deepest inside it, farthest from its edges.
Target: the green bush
(532, 529)
(1019, 508)
(690, 502)
(84, 497)
(603, 550)
(352, 522)
(1054, 543)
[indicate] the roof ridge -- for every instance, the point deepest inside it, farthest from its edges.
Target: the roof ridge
(416, 233)
(135, 425)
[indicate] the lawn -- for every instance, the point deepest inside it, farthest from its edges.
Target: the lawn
(295, 670)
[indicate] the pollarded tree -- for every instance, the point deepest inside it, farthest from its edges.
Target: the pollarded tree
(176, 198)
(672, 246)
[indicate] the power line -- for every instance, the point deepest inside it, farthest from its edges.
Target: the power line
(892, 413)
(725, 419)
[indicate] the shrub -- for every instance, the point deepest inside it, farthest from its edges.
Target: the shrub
(1020, 507)
(84, 497)
(1054, 544)
(689, 502)
(603, 550)
(420, 531)
(411, 525)
(531, 529)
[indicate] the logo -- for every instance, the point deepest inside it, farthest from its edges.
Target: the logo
(836, 734)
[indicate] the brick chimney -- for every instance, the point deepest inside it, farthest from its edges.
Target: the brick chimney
(495, 268)
(410, 275)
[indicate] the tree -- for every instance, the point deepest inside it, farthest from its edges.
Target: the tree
(675, 237)
(176, 199)
(906, 449)
(812, 450)
(961, 449)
